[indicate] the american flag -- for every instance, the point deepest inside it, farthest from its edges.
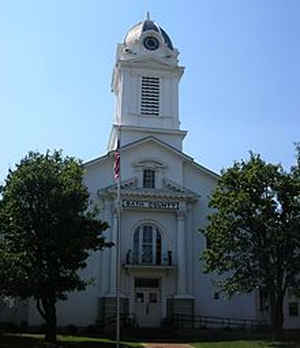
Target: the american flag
(117, 162)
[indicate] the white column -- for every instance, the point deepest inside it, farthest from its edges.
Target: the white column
(113, 255)
(181, 255)
(104, 277)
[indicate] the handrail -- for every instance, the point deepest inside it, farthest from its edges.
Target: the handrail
(111, 320)
(179, 318)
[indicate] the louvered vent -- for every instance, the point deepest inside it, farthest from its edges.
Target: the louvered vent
(150, 96)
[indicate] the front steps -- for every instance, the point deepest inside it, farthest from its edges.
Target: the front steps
(148, 334)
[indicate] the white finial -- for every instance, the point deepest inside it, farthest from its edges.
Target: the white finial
(148, 16)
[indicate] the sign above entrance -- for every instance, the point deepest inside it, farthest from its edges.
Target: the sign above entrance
(129, 203)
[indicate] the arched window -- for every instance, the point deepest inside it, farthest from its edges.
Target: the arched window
(147, 245)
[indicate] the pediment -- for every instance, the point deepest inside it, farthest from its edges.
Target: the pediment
(169, 190)
(150, 163)
(168, 147)
(151, 139)
(176, 188)
(124, 185)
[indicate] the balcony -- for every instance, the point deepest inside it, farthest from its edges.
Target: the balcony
(163, 263)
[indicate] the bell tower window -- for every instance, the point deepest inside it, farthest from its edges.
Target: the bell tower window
(150, 95)
(149, 178)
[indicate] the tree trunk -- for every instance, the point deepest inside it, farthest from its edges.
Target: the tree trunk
(51, 321)
(50, 335)
(48, 312)
(277, 315)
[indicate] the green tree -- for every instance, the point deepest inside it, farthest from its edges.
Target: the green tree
(253, 233)
(6, 271)
(48, 228)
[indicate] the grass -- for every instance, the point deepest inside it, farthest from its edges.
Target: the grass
(232, 344)
(244, 344)
(37, 341)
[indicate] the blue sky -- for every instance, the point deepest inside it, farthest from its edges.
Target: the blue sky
(240, 90)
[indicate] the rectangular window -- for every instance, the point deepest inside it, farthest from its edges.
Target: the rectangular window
(291, 293)
(153, 297)
(139, 297)
(158, 248)
(216, 296)
(263, 300)
(149, 178)
(293, 309)
(150, 96)
(146, 283)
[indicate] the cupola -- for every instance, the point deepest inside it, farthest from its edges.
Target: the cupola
(151, 33)
(148, 38)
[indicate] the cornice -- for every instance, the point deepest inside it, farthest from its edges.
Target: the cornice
(152, 130)
(129, 188)
(172, 185)
(162, 194)
(146, 63)
(132, 182)
(153, 162)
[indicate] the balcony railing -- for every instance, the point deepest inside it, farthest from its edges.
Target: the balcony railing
(165, 261)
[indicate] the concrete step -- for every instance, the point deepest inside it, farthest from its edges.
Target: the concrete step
(148, 333)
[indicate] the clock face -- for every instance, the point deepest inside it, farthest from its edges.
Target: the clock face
(151, 43)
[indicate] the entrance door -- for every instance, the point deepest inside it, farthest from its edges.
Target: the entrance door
(148, 306)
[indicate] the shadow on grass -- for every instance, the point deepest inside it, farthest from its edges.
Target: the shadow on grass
(284, 345)
(197, 337)
(37, 341)
(289, 339)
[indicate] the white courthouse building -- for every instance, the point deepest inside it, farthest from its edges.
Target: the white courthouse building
(164, 199)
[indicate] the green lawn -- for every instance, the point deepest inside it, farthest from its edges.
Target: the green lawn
(232, 344)
(244, 344)
(37, 341)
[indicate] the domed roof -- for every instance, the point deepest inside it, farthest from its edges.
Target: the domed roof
(137, 30)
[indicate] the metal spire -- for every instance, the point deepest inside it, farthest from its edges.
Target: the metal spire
(148, 16)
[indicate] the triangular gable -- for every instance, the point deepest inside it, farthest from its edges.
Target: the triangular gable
(171, 148)
(124, 185)
(152, 139)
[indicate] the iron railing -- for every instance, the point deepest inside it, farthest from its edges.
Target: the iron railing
(112, 320)
(203, 321)
(164, 260)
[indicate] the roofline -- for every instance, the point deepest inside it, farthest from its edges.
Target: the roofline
(169, 147)
(206, 170)
(96, 160)
(180, 132)
(151, 137)
(180, 153)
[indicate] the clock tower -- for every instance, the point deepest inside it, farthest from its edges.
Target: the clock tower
(145, 82)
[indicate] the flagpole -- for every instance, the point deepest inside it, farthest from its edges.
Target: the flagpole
(118, 281)
(118, 263)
